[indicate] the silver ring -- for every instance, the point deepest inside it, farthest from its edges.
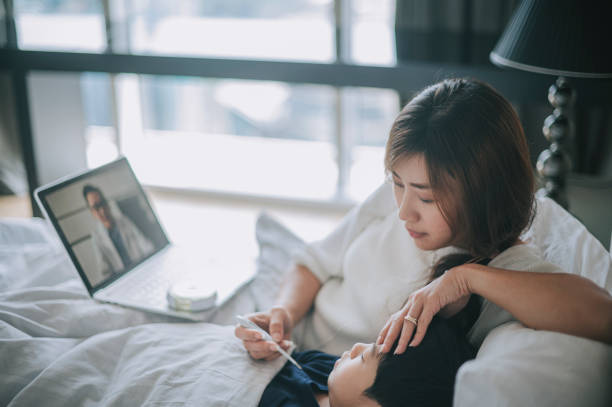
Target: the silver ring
(411, 319)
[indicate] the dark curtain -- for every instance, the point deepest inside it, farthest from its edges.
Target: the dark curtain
(593, 140)
(450, 31)
(464, 32)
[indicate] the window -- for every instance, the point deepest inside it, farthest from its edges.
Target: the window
(372, 38)
(68, 25)
(101, 140)
(251, 137)
(292, 30)
(368, 116)
(289, 140)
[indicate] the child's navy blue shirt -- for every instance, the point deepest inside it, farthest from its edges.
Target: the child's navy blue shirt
(292, 387)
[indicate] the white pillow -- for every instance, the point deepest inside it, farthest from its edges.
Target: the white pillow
(22, 231)
(276, 244)
(566, 242)
(518, 366)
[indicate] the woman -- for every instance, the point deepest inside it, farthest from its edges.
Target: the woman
(463, 189)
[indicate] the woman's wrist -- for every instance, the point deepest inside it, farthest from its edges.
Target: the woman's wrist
(467, 277)
(287, 311)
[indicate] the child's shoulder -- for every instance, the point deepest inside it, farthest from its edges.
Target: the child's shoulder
(310, 356)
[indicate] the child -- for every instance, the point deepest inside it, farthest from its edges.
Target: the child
(364, 376)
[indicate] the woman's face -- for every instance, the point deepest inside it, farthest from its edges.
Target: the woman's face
(353, 373)
(417, 208)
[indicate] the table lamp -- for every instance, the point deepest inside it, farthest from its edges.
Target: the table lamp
(568, 39)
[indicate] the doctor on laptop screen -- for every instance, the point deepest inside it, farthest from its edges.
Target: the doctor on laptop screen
(117, 242)
(110, 231)
(105, 221)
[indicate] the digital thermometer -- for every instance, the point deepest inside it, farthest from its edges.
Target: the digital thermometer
(247, 323)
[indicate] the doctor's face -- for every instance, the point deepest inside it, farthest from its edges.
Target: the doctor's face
(100, 209)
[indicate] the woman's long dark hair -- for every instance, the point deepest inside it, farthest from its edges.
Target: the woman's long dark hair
(478, 163)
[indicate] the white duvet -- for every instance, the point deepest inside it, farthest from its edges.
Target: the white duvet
(58, 347)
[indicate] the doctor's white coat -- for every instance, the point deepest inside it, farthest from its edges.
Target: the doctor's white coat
(136, 244)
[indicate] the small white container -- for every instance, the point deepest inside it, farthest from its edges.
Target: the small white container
(189, 295)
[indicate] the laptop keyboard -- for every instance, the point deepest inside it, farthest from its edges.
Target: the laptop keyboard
(153, 290)
(149, 285)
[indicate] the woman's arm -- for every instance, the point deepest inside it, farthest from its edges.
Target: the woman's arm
(559, 302)
(298, 292)
(551, 301)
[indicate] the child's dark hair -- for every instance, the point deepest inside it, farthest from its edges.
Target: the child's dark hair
(477, 160)
(423, 375)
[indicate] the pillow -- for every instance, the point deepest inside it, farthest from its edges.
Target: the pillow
(22, 231)
(276, 244)
(518, 366)
(31, 255)
(566, 242)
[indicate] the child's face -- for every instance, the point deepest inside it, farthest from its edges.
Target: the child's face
(353, 373)
(417, 207)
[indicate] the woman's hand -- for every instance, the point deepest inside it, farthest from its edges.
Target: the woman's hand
(277, 322)
(450, 289)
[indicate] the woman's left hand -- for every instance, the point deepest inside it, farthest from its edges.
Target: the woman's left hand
(448, 289)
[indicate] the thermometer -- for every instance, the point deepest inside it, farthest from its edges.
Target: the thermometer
(247, 323)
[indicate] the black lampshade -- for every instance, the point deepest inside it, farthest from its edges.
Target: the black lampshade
(571, 38)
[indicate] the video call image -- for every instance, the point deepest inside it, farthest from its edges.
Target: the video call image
(107, 222)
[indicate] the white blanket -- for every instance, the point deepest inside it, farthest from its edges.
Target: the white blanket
(58, 347)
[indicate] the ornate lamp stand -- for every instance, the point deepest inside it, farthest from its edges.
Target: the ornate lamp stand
(554, 163)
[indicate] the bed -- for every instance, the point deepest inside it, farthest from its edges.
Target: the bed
(58, 347)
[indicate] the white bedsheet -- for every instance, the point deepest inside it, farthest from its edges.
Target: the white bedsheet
(58, 347)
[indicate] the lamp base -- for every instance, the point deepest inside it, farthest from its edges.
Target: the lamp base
(554, 163)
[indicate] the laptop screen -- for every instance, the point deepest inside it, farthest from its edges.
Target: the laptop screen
(104, 220)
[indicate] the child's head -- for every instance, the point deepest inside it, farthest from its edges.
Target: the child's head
(470, 144)
(422, 376)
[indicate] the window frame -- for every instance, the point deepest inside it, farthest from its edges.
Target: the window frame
(404, 78)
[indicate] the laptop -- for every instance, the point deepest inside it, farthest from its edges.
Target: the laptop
(121, 252)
